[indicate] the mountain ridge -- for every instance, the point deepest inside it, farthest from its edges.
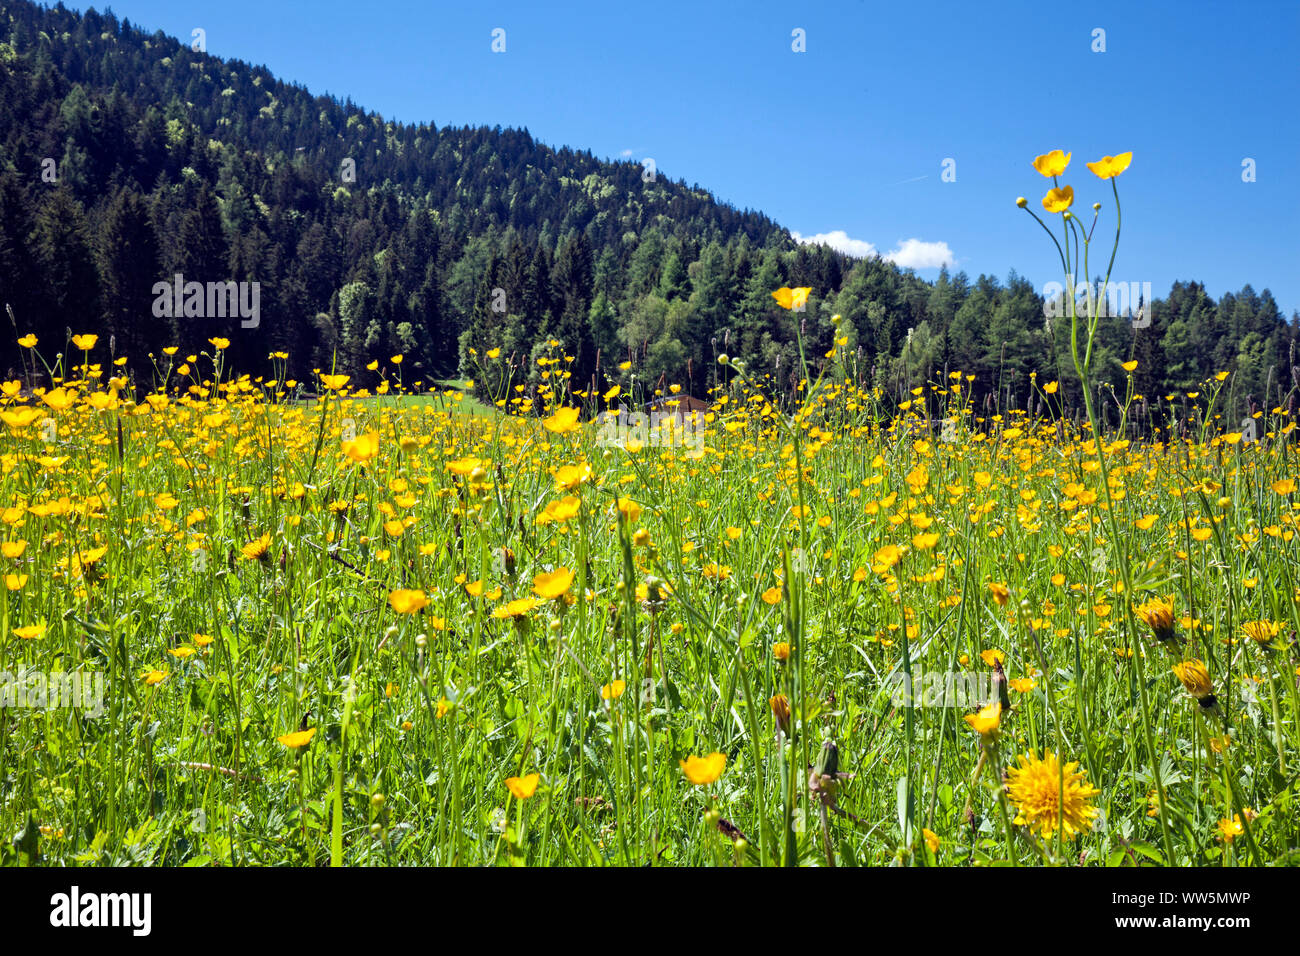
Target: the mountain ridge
(370, 238)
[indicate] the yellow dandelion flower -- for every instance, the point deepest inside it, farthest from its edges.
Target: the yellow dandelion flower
(1034, 786)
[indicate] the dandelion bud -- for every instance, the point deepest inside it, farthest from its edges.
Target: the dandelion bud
(780, 705)
(828, 760)
(1196, 679)
(1000, 685)
(1158, 615)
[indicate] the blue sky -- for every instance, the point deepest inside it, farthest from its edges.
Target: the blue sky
(849, 138)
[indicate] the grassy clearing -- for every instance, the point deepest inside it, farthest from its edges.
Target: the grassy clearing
(371, 630)
(501, 640)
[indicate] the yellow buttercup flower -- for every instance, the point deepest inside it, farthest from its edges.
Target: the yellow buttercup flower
(298, 739)
(704, 770)
(568, 477)
(85, 342)
(1053, 163)
(464, 467)
(516, 609)
(1230, 829)
(553, 584)
(613, 690)
(564, 420)
(986, 722)
(59, 398)
(408, 600)
(21, 417)
(885, 558)
(521, 788)
(1108, 167)
(1059, 200)
(792, 298)
(362, 448)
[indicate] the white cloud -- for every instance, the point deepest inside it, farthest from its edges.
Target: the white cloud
(626, 152)
(840, 241)
(909, 253)
(915, 254)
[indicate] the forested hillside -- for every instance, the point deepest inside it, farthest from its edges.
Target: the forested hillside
(127, 158)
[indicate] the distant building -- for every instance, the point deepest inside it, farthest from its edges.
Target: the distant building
(681, 405)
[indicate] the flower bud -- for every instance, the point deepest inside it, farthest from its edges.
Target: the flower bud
(780, 705)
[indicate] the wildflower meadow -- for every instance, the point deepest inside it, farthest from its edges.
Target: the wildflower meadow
(348, 621)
